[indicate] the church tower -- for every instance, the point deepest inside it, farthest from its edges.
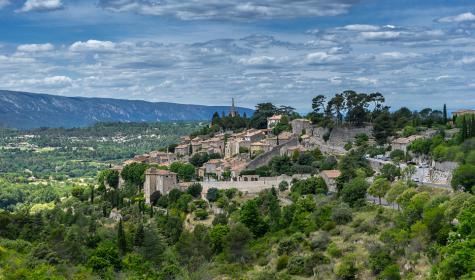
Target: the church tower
(232, 111)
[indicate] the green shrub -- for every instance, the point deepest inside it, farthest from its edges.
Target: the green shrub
(334, 251)
(287, 246)
(201, 214)
(391, 272)
(282, 262)
(296, 265)
(320, 240)
(346, 270)
(341, 214)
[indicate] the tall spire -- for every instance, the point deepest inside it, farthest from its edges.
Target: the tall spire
(232, 112)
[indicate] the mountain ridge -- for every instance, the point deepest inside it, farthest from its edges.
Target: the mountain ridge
(25, 110)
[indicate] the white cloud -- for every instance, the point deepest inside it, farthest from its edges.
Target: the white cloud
(230, 9)
(35, 47)
(4, 3)
(321, 57)
(92, 45)
(361, 27)
(366, 80)
(47, 82)
(458, 18)
(468, 60)
(57, 81)
(398, 55)
(380, 35)
(41, 5)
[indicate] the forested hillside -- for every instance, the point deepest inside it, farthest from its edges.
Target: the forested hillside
(30, 110)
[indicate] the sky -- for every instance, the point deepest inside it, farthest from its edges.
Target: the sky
(417, 53)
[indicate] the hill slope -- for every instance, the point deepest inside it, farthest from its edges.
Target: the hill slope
(30, 110)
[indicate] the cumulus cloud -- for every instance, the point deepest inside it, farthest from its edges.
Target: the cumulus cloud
(93, 46)
(41, 5)
(361, 27)
(380, 35)
(4, 3)
(322, 57)
(230, 9)
(458, 18)
(47, 82)
(57, 81)
(35, 47)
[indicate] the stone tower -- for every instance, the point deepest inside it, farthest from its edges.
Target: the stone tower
(157, 180)
(232, 111)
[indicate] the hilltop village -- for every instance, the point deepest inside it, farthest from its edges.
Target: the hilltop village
(351, 190)
(231, 158)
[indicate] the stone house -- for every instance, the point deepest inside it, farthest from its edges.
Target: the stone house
(195, 147)
(284, 137)
(463, 112)
(289, 151)
(330, 176)
(158, 182)
(162, 158)
(403, 143)
(233, 147)
(273, 121)
(301, 125)
(182, 150)
(252, 136)
(260, 146)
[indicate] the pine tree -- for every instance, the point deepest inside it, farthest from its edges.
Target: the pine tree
(122, 243)
(445, 114)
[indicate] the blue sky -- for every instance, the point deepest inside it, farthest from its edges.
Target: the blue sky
(208, 51)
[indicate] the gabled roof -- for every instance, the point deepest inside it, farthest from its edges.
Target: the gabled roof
(332, 174)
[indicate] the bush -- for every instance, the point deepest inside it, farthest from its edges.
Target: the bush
(201, 214)
(287, 246)
(195, 190)
(283, 186)
(282, 262)
(320, 240)
(296, 265)
(334, 251)
(347, 269)
(341, 214)
(391, 272)
(220, 219)
(212, 194)
(379, 259)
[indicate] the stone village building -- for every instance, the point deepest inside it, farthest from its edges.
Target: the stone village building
(158, 182)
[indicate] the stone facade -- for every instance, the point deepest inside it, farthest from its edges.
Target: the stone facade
(301, 125)
(157, 180)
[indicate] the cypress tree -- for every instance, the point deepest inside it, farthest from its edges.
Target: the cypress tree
(445, 114)
(92, 194)
(122, 243)
(472, 127)
(464, 129)
(139, 235)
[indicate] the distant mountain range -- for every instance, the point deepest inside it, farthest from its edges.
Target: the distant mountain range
(31, 110)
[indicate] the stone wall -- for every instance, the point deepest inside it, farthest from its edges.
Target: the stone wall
(446, 166)
(252, 187)
(265, 158)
